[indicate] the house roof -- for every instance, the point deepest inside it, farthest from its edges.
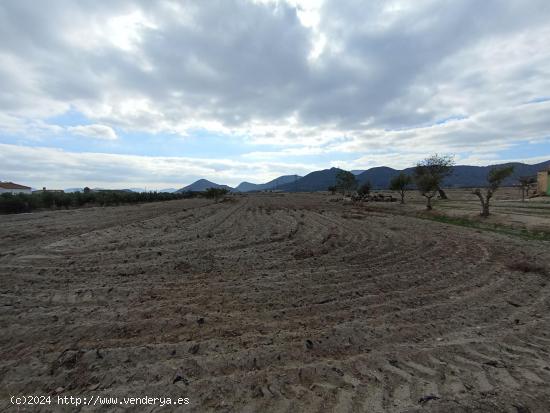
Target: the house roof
(11, 185)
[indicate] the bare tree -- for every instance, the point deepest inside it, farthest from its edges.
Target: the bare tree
(400, 183)
(429, 175)
(494, 178)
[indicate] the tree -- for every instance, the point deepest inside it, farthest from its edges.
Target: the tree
(215, 193)
(332, 189)
(494, 178)
(525, 183)
(86, 190)
(346, 182)
(429, 175)
(365, 188)
(428, 186)
(400, 183)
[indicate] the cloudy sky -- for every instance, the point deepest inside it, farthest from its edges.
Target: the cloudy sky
(161, 93)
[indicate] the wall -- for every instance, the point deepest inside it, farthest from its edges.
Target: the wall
(15, 191)
(543, 183)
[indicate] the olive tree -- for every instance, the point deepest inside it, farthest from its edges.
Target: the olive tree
(401, 183)
(429, 175)
(525, 183)
(494, 180)
(346, 182)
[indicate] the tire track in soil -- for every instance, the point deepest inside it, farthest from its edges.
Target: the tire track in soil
(302, 309)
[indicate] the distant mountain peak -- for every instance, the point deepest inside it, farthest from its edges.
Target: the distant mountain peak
(202, 185)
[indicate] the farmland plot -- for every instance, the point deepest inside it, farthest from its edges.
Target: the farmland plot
(273, 303)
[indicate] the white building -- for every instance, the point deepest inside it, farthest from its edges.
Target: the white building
(11, 188)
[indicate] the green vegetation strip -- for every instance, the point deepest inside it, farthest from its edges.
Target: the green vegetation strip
(465, 222)
(14, 204)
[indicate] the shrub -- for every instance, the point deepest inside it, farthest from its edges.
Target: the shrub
(365, 189)
(215, 193)
(12, 204)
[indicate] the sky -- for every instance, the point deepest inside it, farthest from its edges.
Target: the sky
(157, 94)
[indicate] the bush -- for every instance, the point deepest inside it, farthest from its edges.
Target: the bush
(365, 189)
(13, 204)
(215, 193)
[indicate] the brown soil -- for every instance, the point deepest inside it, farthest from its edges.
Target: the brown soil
(273, 303)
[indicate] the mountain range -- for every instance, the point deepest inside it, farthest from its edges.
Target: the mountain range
(379, 177)
(461, 176)
(271, 185)
(70, 190)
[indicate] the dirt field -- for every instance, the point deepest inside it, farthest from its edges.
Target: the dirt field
(283, 303)
(509, 210)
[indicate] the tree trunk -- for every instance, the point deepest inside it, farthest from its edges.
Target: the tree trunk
(402, 197)
(484, 201)
(485, 208)
(429, 203)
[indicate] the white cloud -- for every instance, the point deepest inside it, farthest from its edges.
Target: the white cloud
(94, 131)
(308, 77)
(51, 167)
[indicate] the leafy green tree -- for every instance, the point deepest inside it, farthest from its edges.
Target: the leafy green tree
(494, 180)
(346, 182)
(401, 183)
(429, 175)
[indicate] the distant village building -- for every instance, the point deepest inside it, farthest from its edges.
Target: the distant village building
(11, 188)
(543, 182)
(58, 191)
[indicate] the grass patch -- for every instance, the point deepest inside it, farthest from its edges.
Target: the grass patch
(501, 229)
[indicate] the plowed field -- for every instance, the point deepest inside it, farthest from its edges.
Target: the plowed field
(283, 303)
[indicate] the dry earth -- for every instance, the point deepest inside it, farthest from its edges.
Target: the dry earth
(283, 303)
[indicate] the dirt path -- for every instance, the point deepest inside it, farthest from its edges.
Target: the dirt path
(272, 303)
